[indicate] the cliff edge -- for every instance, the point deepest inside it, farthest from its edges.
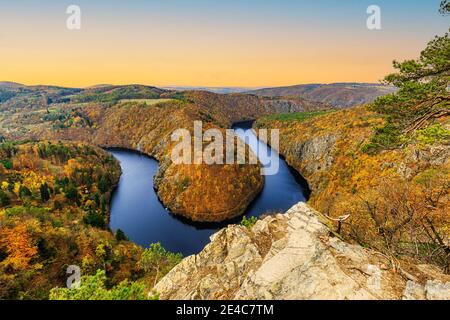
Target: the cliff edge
(296, 256)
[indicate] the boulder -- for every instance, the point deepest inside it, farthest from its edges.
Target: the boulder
(290, 256)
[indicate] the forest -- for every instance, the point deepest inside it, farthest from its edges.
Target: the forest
(54, 213)
(389, 168)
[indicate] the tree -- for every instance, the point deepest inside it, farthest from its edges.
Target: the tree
(4, 199)
(103, 184)
(45, 193)
(121, 236)
(421, 98)
(94, 288)
(71, 193)
(24, 192)
(94, 219)
(159, 260)
(19, 246)
(7, 163)
(444, 7)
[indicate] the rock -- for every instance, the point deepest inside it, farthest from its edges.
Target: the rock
(414, 291)
(289, 256)
(316, 154)
(212, 273)
(436, 290)
(433, 290)
(404, 171)
(436, 155)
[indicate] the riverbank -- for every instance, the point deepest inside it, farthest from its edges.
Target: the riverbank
(149, 221)
(388, 195)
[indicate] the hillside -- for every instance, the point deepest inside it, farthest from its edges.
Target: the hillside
(143, 118)
(54, 201)
(379, 175)
(338, 95)
(237, 107)
(221, 90)
(192, 191)
(386, 194)
(384, 168)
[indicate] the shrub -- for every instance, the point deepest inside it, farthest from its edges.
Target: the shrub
(71, 193)
(24, 192)
(433, 134)
(158, 260)
(121, 236)
(94, 288)
(4, 199)
(7, 163)
(95, 220)
(250, 222)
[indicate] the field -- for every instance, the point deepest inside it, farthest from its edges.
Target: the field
(149, 102)
(299, 116)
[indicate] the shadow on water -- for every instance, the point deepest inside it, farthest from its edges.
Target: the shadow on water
(137, 210)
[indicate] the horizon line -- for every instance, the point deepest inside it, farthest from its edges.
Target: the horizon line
(191, 86)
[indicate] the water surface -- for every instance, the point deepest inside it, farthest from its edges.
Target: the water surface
(136, 210)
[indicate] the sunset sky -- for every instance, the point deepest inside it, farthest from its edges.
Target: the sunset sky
(247, 43)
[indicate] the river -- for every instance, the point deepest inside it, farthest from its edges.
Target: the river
(136, 209)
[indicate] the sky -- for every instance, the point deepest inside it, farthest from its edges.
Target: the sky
(240, 43)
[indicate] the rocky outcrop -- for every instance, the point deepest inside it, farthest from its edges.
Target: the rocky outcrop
(239, 107)
(312, 157)
(316, 154)
(292, 256)
(290, 104)
(432, 290)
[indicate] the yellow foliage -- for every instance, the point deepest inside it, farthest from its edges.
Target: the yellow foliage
(19, 245)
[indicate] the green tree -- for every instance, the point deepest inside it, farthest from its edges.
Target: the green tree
(158, 260)
(104, 183)
(103, 205)
(121, 236)
(24, 192)
(45, 192)
(7, 163)
(422, 96)
(444, 7)
(71, 192)
(94, 288)
(4, 199)
(94, 219)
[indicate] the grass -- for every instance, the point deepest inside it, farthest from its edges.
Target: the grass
(299, 116)
(149, 102)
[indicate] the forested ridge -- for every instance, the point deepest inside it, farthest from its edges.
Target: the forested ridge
(386, 165)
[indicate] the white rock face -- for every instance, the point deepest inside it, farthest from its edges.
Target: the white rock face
(290, 256)
(432, 290)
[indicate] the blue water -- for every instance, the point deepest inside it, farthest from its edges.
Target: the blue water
(136, 210)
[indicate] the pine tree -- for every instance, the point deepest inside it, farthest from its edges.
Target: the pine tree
(45, 193)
